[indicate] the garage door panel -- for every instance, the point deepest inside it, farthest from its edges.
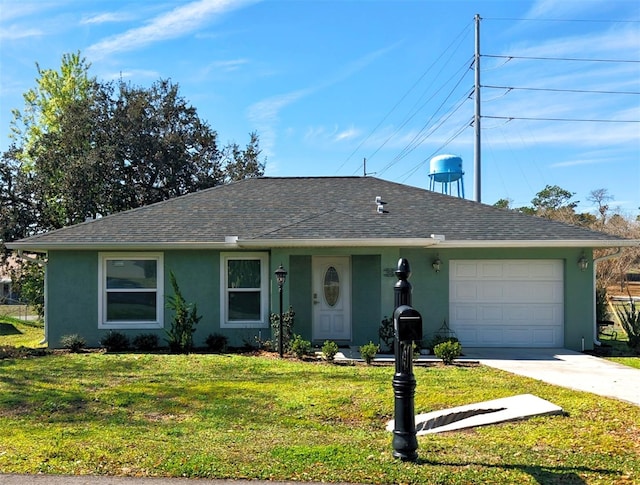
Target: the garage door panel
(517, 336)
(546, 336)
(507, 303)
(465, 291)
(462, 270)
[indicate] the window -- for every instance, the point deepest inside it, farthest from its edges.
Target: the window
(131, 290)
(244, 288)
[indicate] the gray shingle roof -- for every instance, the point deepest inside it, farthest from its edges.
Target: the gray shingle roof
(277, 210)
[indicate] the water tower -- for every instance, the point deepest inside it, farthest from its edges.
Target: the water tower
(444, 170)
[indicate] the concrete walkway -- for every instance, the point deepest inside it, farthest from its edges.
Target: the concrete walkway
(566, 368)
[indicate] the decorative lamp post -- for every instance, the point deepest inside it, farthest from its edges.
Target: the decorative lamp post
(281, 277)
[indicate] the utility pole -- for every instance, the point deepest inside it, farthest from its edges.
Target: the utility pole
(476, 117)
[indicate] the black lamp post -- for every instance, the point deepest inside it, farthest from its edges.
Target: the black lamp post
(281, 277)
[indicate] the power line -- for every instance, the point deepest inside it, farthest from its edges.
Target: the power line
(457, 39)
(511, 118)
(575, 59)
(419, 138)
(589, 91)
(408, 174)
(563, 20)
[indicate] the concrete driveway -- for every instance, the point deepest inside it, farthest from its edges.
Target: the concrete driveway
(566, 368)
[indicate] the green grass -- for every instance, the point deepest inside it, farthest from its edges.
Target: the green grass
(233, 416)
(18, 333)
(628, 361)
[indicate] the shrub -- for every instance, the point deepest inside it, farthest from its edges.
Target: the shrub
(217, 343)
(448, 351)
(73, 342)
(180, 336)
(115, 342)
(369, 351)
(300, 347)
(146, 341)
(601, 304)
(629, 317)
(287, 329)
(329, 350)
(438, 339)
(387, 334)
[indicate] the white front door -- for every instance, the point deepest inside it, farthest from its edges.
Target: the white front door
(331, 298)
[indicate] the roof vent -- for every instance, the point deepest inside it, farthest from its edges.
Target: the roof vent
(380, 205)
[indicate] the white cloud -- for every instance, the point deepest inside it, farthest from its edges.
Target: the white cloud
(228, 66)
(14, 32)
(176, 23)
(13, 10)
(105, 18)
(347, 134)
(265, 114)
(564, 8)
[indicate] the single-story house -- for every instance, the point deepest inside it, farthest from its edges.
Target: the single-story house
(493, 277)
(7, 295)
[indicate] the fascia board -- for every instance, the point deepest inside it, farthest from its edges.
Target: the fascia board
(321, 243)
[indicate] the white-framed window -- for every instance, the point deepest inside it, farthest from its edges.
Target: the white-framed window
(131, 290)
(244, 290)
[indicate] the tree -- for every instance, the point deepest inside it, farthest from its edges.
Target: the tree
(600, 197)
(162, 149)
(503, 204)
(241, 164)
(46, 104)
(17, 208)
(84, 148)
(553, 202)
(87, 148)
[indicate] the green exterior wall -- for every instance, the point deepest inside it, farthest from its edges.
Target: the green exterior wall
(72, 287)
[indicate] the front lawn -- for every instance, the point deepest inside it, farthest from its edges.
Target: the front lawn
(258, 417)
(19, 333)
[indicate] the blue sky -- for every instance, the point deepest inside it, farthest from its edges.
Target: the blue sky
(327, 84)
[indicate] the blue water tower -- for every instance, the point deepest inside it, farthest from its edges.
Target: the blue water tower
(445, 170)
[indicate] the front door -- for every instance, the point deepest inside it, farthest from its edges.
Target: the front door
(331, 298)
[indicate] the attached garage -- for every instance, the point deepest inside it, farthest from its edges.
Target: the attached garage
(507, 303)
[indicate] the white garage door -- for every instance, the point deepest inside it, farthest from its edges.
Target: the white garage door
(507, 303)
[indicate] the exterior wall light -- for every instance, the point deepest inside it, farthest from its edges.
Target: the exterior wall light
(583, 264)
(436, 265)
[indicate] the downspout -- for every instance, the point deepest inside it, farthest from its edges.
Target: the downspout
(43, 262)
(595, 318)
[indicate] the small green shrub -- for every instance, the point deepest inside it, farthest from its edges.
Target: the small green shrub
(300, 347)
(369, 351)
(602, 301)
(438, 339)
(73, 342)
(217, 343)
(287, 329)
(146, 342)
(448, 351)
(115, 342)
(329, 350)
(387, 334)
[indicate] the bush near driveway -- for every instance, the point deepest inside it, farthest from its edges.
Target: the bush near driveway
(233, 416)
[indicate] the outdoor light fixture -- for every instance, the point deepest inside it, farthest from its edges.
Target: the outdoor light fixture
(583, 264)
(436, 264)
(281, 277)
